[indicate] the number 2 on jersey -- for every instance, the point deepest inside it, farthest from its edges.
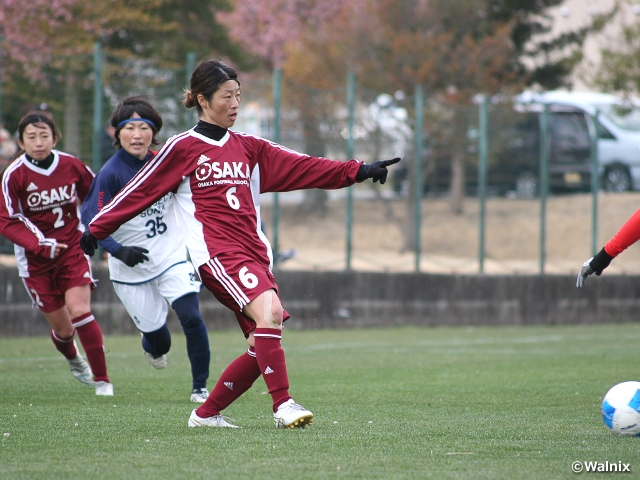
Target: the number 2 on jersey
(36, 298)
(60, 220)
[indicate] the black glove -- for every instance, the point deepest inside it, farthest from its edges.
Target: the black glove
(88, 243)
(377, 170)
(131, 256)
(594, 265)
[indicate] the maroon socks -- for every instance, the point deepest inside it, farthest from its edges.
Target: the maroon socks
(234, 381)
(267, 360)
(65, 346)
(273, 366)
(91, 338)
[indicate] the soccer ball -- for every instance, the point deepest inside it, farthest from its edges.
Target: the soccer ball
(621, 409)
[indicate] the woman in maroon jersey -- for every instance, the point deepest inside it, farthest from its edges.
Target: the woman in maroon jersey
(41, 190)
(218, 175)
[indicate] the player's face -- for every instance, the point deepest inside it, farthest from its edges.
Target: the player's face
(222, 110)
(136, 137)
(37, 140)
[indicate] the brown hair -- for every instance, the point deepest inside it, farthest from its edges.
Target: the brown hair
(206, 80)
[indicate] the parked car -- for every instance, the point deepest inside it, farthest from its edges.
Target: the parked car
(517, 166)
(514, 146)
(618, 133)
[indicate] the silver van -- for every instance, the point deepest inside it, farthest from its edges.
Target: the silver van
(618, 133)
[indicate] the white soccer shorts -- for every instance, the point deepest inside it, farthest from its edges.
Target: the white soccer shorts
(146, 302)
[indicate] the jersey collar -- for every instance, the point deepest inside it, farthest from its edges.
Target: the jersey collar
(217, 143)
(42, 171)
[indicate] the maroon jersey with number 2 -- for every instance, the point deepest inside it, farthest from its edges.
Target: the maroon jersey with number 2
(39, 209)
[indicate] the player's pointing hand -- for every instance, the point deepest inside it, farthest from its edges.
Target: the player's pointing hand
(376, 171)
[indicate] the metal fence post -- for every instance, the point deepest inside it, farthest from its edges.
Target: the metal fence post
(483, 142)
(419, 107)
(277, 104)
(595, 183)
(351, 100)
(544, 182)
(97, 106)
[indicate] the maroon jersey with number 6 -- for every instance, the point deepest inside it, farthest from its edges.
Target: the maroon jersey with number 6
(218, 185)
(39, 208)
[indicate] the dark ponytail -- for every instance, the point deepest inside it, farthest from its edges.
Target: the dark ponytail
(206, 80)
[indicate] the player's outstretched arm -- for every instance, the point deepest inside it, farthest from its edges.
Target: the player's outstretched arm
(594, 265)
(376, 171)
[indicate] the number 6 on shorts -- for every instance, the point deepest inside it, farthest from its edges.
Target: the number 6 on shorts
(247, 278)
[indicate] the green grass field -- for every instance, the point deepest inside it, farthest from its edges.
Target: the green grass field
(472, 403)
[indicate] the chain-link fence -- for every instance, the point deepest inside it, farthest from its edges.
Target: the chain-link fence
(500, 186)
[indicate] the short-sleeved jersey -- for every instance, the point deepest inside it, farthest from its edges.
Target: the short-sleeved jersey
(218, 186)
(155, 228)
(40, 208)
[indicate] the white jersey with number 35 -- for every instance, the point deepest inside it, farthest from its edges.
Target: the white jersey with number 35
(155, 229)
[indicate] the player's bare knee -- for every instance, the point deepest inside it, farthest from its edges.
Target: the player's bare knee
(266, 310)
(64, 333)
(273, 310)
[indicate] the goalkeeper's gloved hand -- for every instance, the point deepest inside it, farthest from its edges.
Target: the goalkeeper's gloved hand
(376, 171)
(594, 265)
(88, 243)
(131, 256)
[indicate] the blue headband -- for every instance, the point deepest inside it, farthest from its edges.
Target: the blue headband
(127, 120)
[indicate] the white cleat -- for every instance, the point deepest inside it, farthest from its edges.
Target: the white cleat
(199, 395)
(81, 370)
(292, 415)
(158, 363)
(104, 388)
(215, 421)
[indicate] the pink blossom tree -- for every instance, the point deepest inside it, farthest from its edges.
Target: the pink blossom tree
(27, 32)
(268, 28)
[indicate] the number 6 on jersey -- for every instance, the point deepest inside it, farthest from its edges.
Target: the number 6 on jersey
(232, 199)
(247, 278)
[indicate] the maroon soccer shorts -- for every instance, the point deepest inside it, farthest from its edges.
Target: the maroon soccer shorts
(235, 279)
(47, 290)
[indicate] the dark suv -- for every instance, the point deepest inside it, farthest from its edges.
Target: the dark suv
(517, 166)
(513, 163)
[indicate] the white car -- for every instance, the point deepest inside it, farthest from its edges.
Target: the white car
(618, 136)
